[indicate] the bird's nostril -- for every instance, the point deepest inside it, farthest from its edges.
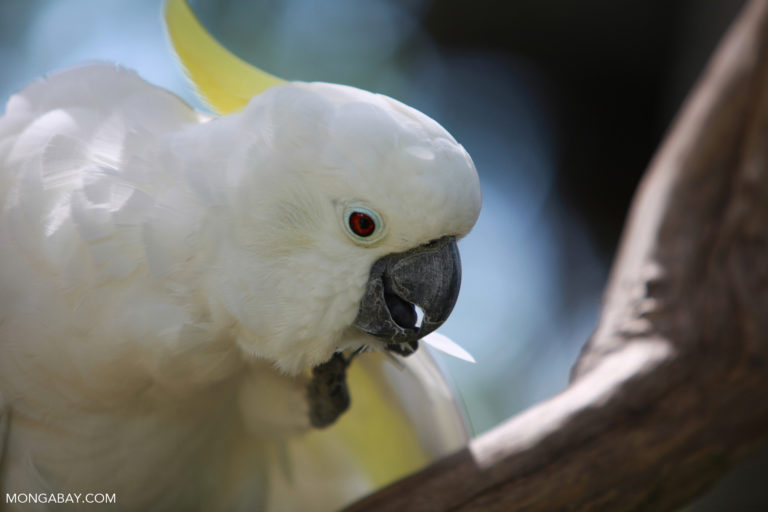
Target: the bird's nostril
(402, 311)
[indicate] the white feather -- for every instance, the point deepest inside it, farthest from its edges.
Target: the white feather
(446, 345)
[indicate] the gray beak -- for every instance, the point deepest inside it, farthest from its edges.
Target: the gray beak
(428, 276)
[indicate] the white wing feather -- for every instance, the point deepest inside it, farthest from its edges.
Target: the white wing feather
(83, 349)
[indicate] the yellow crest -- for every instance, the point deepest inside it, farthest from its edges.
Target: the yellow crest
(224, 81)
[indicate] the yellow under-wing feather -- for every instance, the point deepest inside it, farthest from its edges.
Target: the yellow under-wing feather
(376, 427)
(225, 82)
(393, 428)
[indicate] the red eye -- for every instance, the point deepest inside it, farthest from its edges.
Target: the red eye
(361, 224)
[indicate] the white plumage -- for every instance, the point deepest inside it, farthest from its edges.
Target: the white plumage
(165, 279)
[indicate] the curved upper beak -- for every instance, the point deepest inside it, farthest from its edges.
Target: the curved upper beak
(427, 277)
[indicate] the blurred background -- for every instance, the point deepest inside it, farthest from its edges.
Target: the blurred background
(561, 105)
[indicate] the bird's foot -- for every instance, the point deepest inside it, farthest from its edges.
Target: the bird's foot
(327, 392)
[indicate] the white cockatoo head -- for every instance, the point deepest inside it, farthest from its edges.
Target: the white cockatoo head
(345, 208)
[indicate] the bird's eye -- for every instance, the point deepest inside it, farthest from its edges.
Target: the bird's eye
(363, 225)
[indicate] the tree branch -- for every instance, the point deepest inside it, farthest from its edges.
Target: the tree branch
(670, 390)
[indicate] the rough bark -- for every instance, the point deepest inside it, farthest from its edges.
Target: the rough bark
(671, 389)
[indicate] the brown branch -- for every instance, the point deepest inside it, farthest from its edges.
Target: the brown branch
(670, 390)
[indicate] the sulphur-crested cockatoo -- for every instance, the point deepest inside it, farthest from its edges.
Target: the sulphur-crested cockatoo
(181, 295)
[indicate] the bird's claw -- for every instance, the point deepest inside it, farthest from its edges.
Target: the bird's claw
(327, 392)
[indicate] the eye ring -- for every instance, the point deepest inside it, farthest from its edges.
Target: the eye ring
(363, 225)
